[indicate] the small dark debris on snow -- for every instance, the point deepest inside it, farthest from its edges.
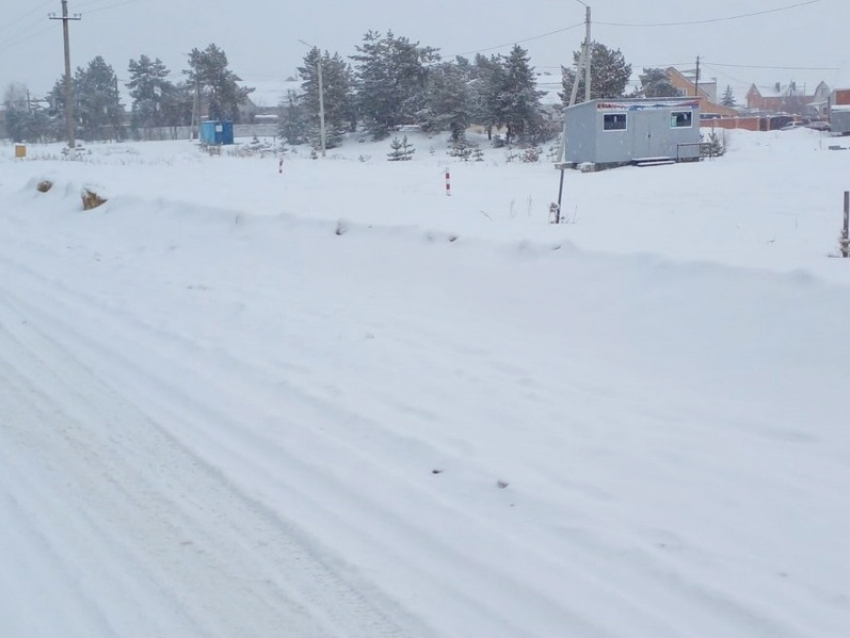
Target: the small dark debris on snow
(341, 228)
(436, 471)
(91, 199)
(453, 238)
(501, 484)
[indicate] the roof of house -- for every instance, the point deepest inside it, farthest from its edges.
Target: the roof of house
(780, 90)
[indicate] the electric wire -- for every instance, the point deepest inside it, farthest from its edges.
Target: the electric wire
(510, 44)
(26, 36)
(12, 22)
(110, 6)
(707, 20)
(781, 68)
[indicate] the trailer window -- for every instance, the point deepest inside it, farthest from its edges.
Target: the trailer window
(681, 119)
(614, 122)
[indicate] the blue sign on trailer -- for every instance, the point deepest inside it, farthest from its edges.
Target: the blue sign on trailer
(216, 133)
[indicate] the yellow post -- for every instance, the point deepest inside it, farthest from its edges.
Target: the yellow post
(20, 151)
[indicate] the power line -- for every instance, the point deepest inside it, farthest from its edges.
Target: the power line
(25, 38)
(85, 5)
(781, 68)
(534, 37)
(15, 21)
(110, 6)
(709, 20)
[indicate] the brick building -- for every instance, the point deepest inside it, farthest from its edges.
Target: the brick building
(685, 82)
(789, 98)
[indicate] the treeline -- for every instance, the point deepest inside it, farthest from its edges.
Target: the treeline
(208, 86)
(389, 82)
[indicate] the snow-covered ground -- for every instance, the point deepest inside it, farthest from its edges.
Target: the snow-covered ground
(336, 402)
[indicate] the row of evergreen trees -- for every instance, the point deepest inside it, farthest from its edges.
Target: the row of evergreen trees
(157, 101)
(389, 82)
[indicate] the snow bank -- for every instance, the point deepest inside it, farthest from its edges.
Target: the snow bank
(339, 401)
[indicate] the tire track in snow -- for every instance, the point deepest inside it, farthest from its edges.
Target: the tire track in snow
(757, 625)
(232, 568)
(491, 619)
(487, 613)
(199, 416)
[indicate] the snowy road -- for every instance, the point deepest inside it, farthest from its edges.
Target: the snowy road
(221, 418)
(125, 529)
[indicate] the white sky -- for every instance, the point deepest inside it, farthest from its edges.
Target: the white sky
(261, 37)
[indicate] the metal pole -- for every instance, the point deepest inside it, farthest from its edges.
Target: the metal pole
(321, 106)
(69, 87)
(696, 82)
(845, 233)
(587, 57)
(583, 60)
(560, 194)
(574, 92)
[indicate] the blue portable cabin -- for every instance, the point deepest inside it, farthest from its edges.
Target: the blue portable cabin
(216, 133)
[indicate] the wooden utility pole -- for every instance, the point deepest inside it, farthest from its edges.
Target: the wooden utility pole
(587, 55)
(69, 87)
(583, 60)
(696, 81)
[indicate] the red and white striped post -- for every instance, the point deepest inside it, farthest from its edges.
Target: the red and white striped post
(448, 183)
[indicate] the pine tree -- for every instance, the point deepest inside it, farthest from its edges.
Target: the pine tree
(218, 85)
(487, 81)
(402, 150)
(448, 101)
(463, 148)
(178, 105)
(98, 104)
(728, 98)
(609, 75)
(520, 99)
(56, 111)
(150, 89)
(294, 121)
(715, 146)
(391, 80)
(26, 121)
(338, 97)
(655, 83)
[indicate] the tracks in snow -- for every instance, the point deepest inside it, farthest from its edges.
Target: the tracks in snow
(137, 535)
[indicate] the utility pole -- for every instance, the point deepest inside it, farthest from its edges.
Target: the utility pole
(196, 113)
(587, 55)
(583, 60)
(69, 87)
(321, 105)
(696, 81)
(579, 67)
(321, 96)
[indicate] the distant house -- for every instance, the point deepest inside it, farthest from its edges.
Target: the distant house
(839, 111)
(706, 91)
(608, 133)
(788, 98)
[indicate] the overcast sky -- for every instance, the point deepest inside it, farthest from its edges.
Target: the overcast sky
(261, 37)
